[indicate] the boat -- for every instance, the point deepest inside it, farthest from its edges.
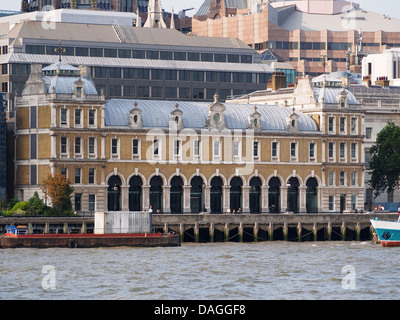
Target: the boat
(137, 227)
(388, 232)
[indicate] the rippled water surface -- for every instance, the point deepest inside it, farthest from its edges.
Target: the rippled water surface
(267, 270)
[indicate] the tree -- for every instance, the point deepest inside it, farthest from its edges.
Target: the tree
(59, 189)
(385, 160)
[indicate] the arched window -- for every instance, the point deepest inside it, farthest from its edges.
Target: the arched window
(311, 195)
(156, 193)
(176, 195)
(236, 194)
(293, 195)
(274, 195)
(196, 195)
(216, 195)
(135, 194)
(255, 195)
(114, 193)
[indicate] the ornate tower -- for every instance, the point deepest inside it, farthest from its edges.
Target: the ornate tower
(155, 15)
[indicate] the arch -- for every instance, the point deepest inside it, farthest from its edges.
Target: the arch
(296, 176)
(156, 193)
(224, 181)
(158, 174)
(198, 175)
(237, 176)
(177, 175)
(312, 195)
(196, 194)
(114, 193)
(176, 194)
(123, 181)
(135, 193)
(274, 194)
(255, 184)
(293, 185)
(236, 198)
(137, 174)
(257, 175)
(216, 195)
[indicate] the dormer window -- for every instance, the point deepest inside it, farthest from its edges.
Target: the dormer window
(292, 121)
(135, 117)
(176, 122)
(254, 120)
(216, 119)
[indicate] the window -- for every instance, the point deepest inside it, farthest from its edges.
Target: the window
(184, 75)
(77, 114)
(153, 55)
(33, 146)
(353, 202)
(156, 148)
(92, 118)
(180, 56)
(234, 58)
(171, 75)
(238, 77)
(331, 151)
(92, 202)
(218, 57)
(96, 52)
(216, 149)
(63, 117)
(225, 77)
(156, 74)
(198, 93)
(312, 151)
(115, 73)
(143, 92)
(274, 150)
(138, 54)
(331, 124)
(129, 73)
(236, 149)
(193, 56)
(368, 132)
(112, 53)
(353, 178)
(129, 91)
(100, 72)
(331, 178)
(143, 74)
(78, 151)
(353, 151)
(91, 176)
(78, 201)
(196, 148)
(184, 93)
(353, 125)
(124, 53)
(198, 75)
(211, 76)
(207, 57)
(342, 178)
(156, 92)
(114, 148)
(177, 148)
(166, 55)
(64, 145)
(331, 203)
(77, 178)
(170, 92)
(115, 91)
(92, 147)
(256, 150)
(342, 150)
(135, 148)
(293, 150)
(342, 126)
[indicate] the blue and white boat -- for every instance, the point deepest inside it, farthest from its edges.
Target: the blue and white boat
(388, 232)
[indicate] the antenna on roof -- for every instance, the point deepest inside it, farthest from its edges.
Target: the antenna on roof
(59, 50)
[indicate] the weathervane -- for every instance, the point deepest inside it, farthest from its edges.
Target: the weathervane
(59, 50)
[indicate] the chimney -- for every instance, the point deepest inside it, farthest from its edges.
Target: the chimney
(278, 81)
(382, 81)
(366, 81)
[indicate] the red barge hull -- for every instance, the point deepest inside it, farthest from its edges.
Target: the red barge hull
(89, 240)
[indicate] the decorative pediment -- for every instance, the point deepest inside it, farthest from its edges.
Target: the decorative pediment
(176, 122)
(292, 121)
(135, 117)
(216, 118)
(255, 120)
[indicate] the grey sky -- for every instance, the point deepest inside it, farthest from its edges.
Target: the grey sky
(389, 7)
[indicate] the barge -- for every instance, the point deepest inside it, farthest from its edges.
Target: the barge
(137, 227)
(388, 232)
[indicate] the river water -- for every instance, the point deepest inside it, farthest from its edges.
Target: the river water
(210, 271)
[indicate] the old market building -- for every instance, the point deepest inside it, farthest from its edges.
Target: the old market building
(185, 156)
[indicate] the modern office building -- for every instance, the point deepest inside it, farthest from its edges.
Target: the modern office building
(3, 147)
(313, 35)
(127, 61)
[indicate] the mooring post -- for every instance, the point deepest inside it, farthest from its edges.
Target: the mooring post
(181, 231)
(358, 231)
(196, 232)
(30, 228)
(299, 231)
(255, 232)
(226, 231)
(343, 231)
(211, 232)
(165, 229)
(46, 228)
(329, 231)
(285, 231)
(83, 228)
(240, 230)
(271, 232)
(65, 228)
(315, 231)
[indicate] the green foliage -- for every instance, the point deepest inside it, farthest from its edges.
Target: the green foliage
(36, 205)
(385, 160)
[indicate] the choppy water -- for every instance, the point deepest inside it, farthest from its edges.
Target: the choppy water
(267, 270)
